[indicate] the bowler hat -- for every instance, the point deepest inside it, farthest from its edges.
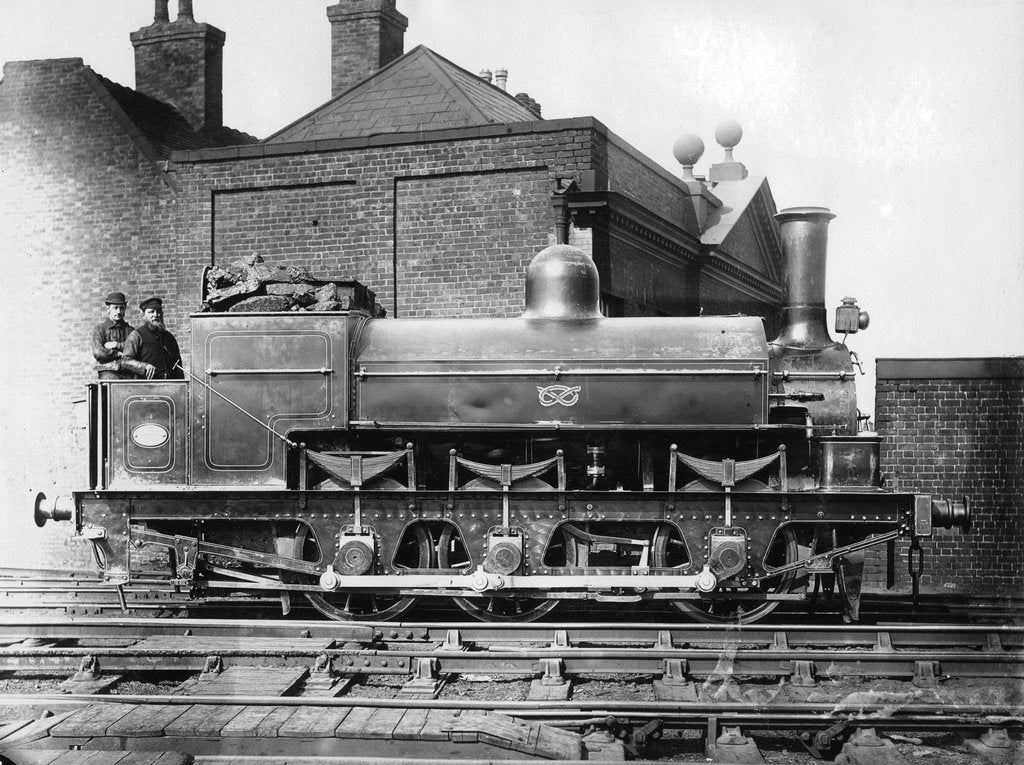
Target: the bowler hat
(153, 302)
(116, 298)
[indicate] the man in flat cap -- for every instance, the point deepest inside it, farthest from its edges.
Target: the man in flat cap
(108, 338)
(153, 346)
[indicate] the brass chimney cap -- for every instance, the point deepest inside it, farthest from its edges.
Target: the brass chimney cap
(804, 213)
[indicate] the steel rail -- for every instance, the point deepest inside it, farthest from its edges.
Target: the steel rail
(705, 664)
(147, 597)
(519, 655)
(367, 649)
(868, 714)
(476, 631)
(650, 660)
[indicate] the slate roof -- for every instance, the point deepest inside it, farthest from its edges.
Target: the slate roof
(417, 91)
(163, 126)
(746, 209)
(736, 196)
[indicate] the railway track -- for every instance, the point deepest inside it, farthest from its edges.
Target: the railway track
(621, 686)
(76, 593)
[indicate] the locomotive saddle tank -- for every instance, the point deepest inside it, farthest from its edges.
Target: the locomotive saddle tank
(506, 464)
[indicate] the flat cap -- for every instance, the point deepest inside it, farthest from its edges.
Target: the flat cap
(116, 298)
(153, 302)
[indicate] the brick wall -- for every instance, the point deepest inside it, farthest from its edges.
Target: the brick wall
(650, 284)
(464, 241)
(84, 212)
(632, 174)
(460, 218)
(88, 210)
(302, 224)
(955, 427)
(718, 297)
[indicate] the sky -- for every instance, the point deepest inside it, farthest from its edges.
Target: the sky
(904, 117)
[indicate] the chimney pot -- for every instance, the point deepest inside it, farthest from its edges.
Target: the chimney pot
(529, 103)
(185, 10)
(160, 15)
(501, 78)
(485, 74)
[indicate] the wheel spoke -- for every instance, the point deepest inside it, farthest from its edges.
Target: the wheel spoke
(509, 609)
(342, 606)
(720, 608)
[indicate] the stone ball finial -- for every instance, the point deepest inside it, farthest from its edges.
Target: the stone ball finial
(728, 134)
(688, 149)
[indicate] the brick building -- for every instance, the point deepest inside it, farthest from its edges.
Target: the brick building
(430, 184)
(433, 186)
(955, 427)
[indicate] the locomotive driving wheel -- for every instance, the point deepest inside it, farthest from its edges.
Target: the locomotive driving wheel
(504, 608)
(416, 551)
(737, 605)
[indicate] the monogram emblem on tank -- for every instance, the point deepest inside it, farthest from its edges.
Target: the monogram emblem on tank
(558, 394)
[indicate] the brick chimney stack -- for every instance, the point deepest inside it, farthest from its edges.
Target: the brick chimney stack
(181, 62)
(365, 36)
(529, 103)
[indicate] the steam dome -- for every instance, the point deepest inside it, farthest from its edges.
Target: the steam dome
(562, 283)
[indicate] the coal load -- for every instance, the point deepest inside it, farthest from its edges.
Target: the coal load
(252, 285)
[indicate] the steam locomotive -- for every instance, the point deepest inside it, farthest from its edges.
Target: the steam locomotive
(505, 464)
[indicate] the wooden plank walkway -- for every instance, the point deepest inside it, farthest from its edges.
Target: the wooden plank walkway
(248, 681)
(181, 722)
(95, 757)
(118, 724)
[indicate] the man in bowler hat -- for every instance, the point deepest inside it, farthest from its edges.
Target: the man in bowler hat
(108, 338)
(152, 346)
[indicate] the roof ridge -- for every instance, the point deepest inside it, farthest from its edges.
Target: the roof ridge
(419, 90)
(338, 99)
(465, 97)
(476, 77)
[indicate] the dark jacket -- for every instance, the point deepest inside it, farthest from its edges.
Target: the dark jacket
(103, 333)
(155, 347)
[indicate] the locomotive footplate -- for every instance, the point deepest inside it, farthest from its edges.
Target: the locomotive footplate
(718, 560)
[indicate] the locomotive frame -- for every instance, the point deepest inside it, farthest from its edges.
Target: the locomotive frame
(327, 454)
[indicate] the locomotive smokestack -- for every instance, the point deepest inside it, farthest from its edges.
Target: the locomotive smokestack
(804, 243)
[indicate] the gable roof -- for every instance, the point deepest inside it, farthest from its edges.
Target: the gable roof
(736, 197)
(417, 91)
(162, 126)
(743, 230)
